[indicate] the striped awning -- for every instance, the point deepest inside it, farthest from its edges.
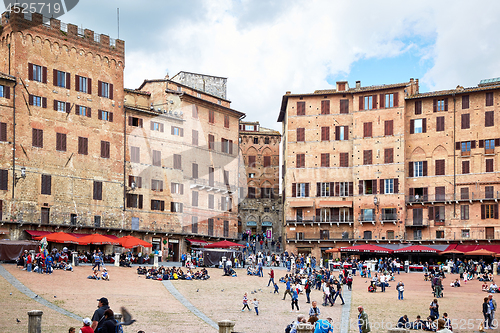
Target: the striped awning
(333, 203)
(301, 203)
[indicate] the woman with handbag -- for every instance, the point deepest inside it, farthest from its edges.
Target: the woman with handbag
(400, 288)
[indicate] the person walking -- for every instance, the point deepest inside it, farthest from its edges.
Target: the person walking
(400, 287)
(307, 289)
(256, 306)
(245, 303)
(434, 309)
(493, 306)
(487, 314)
(314, 310)
(363, 324)
(295, 299)
(338, 292)
(288, 289)
(271, 278)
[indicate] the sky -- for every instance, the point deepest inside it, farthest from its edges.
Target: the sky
(266, 48)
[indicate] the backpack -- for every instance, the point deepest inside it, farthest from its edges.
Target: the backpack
(288, 329)
(118, 328)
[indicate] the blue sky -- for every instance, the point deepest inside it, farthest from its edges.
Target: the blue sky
(266, 48)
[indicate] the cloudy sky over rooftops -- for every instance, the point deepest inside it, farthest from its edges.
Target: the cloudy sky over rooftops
(266, 48)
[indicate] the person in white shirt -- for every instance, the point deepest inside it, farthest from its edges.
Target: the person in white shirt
(382, 282)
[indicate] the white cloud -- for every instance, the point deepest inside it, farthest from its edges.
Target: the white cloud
(267, 49)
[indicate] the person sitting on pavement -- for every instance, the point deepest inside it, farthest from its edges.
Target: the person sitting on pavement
(493, 287)
(418, 324)
(105, 275)
(403, 322)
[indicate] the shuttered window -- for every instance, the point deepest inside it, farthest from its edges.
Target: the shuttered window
(489, 165)
(344, 106)
(226, 121)
(489, 99)
(344, 160)
(439, 105)
(135, 154)
(465, 167)
(388, 127)
(489, 118)
(61, 79)
(211, 116)
(194, 170)
(5, 91)
(251, 161)
(157, 185)
(194, 110)
(301, 108)
(105, 89)
(194, 200)
(367, 157)
(60, 142)
(439, 124)
(325, 133)
(157, 158)
(325, 107)
(46, 184)
(367, 130)
(37, 73)
(301, 134)
(83, 146)
(465, 121)
(135, 179)
(440, 168)
(3, 131)
(325, 160)
(105, 149)
(97, 193)
(37, 138)
(158, 205)
(465, 101)
(388, 155)
(4, 180)
(418, 107)
(301, 161)
(464, 193)
(135, 122)
(83, 84)
(194, 138)
(177, 162)
(211, 142)
(267, 161)
(341, 133)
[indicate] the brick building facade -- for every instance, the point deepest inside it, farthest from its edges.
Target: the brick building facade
(90, 156)
(68, 130)
(260, 211)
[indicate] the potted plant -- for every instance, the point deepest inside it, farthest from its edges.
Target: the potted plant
(151, 258)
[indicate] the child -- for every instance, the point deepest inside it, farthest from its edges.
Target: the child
(245, 303)
(256, 306)
(105, 275)
(276, 288)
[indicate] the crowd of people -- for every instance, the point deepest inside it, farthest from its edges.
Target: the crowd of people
(172, 273)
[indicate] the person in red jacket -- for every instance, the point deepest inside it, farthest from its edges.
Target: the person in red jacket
(271, 278)
(86, 326)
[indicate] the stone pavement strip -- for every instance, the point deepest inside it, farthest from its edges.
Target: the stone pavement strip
(25, 290)
(346, 312)
(170, 287)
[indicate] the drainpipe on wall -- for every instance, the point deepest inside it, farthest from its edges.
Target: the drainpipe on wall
(13, 137)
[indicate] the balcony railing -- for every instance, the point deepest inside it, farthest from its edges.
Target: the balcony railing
(317, 220)
(410, 222)
(389, 217)
(448, 197)
(366, 218)
(335, 236)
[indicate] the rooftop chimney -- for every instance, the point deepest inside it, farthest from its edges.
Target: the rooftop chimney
(358, 84)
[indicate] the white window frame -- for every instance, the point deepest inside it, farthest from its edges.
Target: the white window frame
(301, 190)
(61, 106)
(417, 126)
(389, 100)
(389, 186)
(418, 169)
(325, 190)
(37, 73)
(343, 189)
(368, 102)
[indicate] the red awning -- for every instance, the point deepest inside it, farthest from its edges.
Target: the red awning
(36, 233)
(366, 248)
(469, 248)
(417, 249)
(197, 242)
